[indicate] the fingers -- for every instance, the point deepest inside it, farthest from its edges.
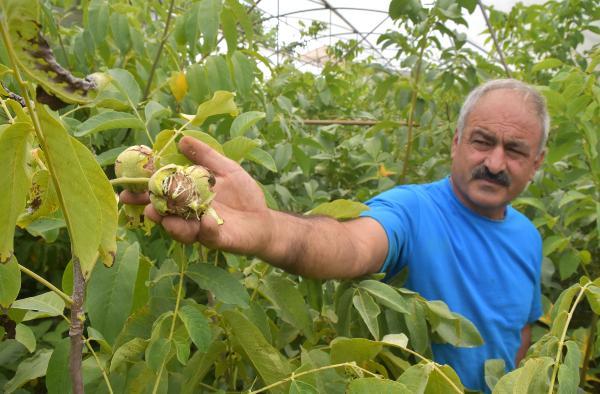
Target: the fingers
(200, 153)
(183, 230)
(152, 214)
(128, 197)
(180, 229)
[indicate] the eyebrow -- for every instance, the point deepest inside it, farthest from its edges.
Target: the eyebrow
(513, 143)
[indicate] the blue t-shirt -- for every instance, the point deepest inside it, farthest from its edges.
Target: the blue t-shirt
(486, 270)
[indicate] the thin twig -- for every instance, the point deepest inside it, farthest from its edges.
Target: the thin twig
(173, 321)
(493, 34)
(104, 374)
(159, 51)
(49, 285)
(561, 341)
(5, 108)
(294, 376)
(76, 329)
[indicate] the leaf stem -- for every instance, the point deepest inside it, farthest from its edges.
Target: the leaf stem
(5, 108)
(104, 375)
(434, 364)
(163, 40)
(324, 368)
(177, 132)
(49, 285)
(126, 180)
(561, 342)
(173, 321)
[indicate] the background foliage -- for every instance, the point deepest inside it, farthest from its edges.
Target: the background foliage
(169, 318)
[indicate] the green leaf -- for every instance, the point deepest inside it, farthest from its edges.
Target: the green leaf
(229, 29)
(25, 336)
(564, 300)
(554, 243)
(206, 138)
(130, 352)
(154, 110)
(46, 305)
(417, 326)
(127, 85)
(546, 64)
(452, 327)
(263, 158)
(107, 121)
(207, 19)
(14, 151)
(376, 385)
(105, 195)
(385, 295)
(110, 292)
(494, 370)
(222, 284)
(592, 294)
(397, 340)
(290, 303)
(243, 73)
(244, 122)
(157, 352)
(354, 349)
(197, 326)
(416, 377)
(300, 387)
(238, 148)
(29, 369)
(444, 380)
(339, 209)
(268, 362)
(82, 209)
(221, 103)
(58, 379)
(217, 74)
(368, 310)
(199, 365)
(10, 282)
(531, 378)
(41, 201)
(568, 372)
(409, 8)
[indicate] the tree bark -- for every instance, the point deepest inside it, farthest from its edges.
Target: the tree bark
(76, 330)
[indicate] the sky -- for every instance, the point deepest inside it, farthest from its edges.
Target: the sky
(368, 17)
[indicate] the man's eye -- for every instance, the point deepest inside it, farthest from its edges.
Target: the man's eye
(481, 142)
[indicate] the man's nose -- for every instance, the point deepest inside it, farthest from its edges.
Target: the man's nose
(496, 160)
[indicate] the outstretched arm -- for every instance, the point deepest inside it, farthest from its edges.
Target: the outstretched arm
(318, 247)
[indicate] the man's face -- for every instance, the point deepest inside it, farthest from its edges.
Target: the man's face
(497, 154)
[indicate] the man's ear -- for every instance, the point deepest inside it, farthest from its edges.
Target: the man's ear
(537, 163)
(454, 144)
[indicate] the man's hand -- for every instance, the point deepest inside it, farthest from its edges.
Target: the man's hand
(239, 201)
(318, 247)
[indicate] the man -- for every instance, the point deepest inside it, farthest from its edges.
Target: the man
(458, 237)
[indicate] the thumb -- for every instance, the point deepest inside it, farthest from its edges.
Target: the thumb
(200, 153)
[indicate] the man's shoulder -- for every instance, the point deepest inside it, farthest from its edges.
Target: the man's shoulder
(521, 225)
(411, 192)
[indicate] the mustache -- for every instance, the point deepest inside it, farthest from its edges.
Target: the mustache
(484, 173)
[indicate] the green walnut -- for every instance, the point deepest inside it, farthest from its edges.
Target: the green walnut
(135, 162)
(183, 191)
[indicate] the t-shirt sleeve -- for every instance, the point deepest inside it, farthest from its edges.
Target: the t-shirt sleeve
(536, 305)
(396, 211)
